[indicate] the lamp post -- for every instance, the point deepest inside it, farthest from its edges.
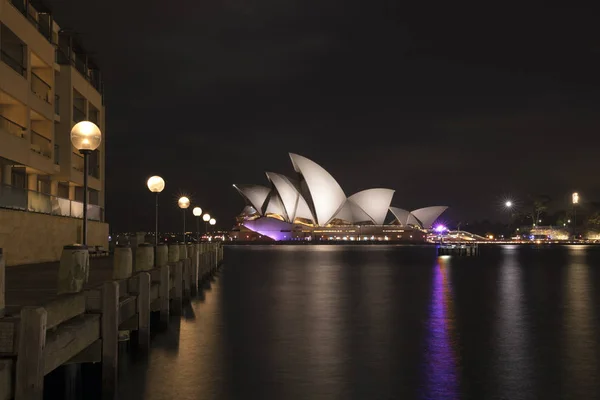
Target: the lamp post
(212, 222)
(183, 203)
(197, 211)
(85, 137)
(575, 200)
(156, 184)
(206, 218)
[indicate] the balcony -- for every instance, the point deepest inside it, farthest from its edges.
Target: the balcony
(41, 144)
(13, 63)
(27, 200)
(12, 127)
(41, 21)
(77, 162)
(41, 88)
(56, 154)
(78, 114)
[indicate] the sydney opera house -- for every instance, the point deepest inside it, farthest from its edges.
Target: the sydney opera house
(313, 206)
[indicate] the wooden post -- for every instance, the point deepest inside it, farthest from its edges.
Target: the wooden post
(122, 262)
(195, 268)
(110, 338)
(2, 284)
(30, 361)
(186, 284)
(164, 289)
(178, 280)
(143, 305)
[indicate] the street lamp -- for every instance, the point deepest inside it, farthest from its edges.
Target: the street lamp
(212, 222)
(197, 211)
(85, 137)
(206, 218)
(183, 203)
(508, 204)
(575, 200)
(156, 184)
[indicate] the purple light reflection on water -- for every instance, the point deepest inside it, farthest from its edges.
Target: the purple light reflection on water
(441, 375)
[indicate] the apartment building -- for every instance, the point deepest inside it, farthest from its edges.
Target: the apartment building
(47, 84)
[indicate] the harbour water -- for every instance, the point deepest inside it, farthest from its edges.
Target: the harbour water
(383, 322)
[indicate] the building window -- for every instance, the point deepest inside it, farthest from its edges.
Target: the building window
(94, 197)
(13, 51)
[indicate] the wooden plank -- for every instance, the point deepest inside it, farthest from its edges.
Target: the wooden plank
(155, 305)
(91, 354)
(70, 339)
(110, 338)
(127, 308)
(63, 308)
(178, 296)
(30, 362)
(2, 283)
(143, 308)
(129, 325)
(8, 336)
(154, 291)
(155, 274)
(164, 294)
(93, 300)
(6, 379)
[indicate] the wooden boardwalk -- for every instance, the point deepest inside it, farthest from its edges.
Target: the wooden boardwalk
(42, 331)
(36, 284)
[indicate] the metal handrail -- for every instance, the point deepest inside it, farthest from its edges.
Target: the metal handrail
(35, 79)
(28, 200)
(45, 146)
(13, 63)
(78, 115)
(12, 127)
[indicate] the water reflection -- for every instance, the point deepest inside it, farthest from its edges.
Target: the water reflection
(441, 366)
(580, 341)
(325, 306)
(513, 358)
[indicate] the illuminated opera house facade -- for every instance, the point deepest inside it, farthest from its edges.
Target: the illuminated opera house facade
(314, 207)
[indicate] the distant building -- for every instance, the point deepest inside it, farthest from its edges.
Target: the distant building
(313, 206)
(47, 84)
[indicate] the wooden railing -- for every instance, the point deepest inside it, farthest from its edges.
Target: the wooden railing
(84, 327)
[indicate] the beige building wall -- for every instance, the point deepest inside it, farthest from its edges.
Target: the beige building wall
(37, 107)
(31, 238)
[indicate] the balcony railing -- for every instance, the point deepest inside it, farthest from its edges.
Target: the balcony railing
(43, 26)
(78, 115)
(41, 144)
(13, 63)
(12, 127)
(28, 200)
(56, 154)
(77, 162)
(40, 87)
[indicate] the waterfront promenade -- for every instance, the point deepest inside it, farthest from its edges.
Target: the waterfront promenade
(41, 330)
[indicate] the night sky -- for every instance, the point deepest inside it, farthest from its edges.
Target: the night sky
(450, 105)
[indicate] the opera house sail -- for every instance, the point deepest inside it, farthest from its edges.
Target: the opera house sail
(313, 206)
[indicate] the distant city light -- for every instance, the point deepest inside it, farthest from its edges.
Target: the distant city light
(575, 198)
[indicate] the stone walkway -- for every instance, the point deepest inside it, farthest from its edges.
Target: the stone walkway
(35, 284)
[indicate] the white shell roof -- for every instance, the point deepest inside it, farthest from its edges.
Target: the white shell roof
(401, 215)
(374, 202)
(327, 195)
(428, 215)
(255, 194)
